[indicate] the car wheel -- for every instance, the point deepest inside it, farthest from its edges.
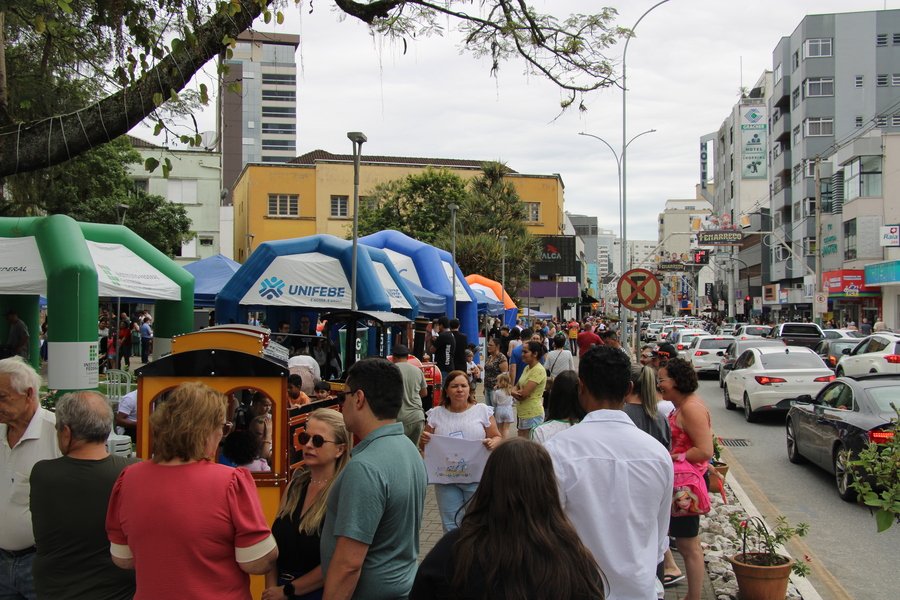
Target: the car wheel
(839, 372)
(749, 415)
(729, 405)
(842, 475)
(793, 451)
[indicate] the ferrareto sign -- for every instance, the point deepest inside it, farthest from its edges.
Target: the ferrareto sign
(312, 280)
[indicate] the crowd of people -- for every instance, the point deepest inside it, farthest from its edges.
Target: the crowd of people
(578, 504)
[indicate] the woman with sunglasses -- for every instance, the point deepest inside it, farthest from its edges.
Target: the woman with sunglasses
(326, 450)
(460, 416)
(181, 547)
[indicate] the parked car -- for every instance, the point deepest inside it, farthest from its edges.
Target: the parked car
(878, 353)
(831, 350)
(736, 348)
(768, 378)
(667, 331)
(833, 334)
(706, 352)
(682, 338)
(798, 334)
(727, 329)
(830, 428)
(651, 334)
(752, 330)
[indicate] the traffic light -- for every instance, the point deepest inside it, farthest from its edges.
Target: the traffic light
(747, 298)
(701, 257)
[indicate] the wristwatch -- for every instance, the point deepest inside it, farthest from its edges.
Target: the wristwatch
(288, 589)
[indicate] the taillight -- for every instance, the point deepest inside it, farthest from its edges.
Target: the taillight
(766, 380)
(681, 346)
(824, 378)
(881, 437)
(893, 359)
(701, 353)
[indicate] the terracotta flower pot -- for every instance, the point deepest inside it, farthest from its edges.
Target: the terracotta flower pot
(715, 483)
(760, 582)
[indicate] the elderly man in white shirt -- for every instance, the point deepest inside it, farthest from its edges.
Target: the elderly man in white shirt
(615, 480)
(27, 435)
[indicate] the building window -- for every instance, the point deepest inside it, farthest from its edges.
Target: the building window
(274, 159)
(859, 81)
(850, 239)
(278, 79)
(206, 241)
(819, 126)
(279, 111)
(881, 39)
(862, 178)
(795, 61)
(795, 98)
(796, 216)
(182, 191)
(284, 205)
(798, 171)
(810, 207)
(533, 212)
(859, 121)
(881, 80)
(779, 253)
(796, 135)
(817, 48)
(285, 128)
(339, 206)
(809, 246)
(141, 186)
(279, 95)
(286, 145)
(809, 168)
(779, 73)
(819, 86)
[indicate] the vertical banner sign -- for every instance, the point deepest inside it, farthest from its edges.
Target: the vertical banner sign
(754, 140)
(77, 367)
(703, 165)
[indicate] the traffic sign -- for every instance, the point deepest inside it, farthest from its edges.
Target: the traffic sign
(638, 290)
(820, 303)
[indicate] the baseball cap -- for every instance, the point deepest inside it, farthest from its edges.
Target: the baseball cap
(666, 351)
(400, 351)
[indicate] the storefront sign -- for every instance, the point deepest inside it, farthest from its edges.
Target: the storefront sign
(753, 143)
(557, 256)
(719, 237)
(670, 266)
(883, 273)
(846, 282)
(890, 235)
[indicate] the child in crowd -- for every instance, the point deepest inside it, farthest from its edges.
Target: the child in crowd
(502, 399)
(323, 390)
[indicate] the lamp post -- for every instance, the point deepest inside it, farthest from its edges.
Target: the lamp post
(503, 272)
(453, 208)
(625, 146)
(358, 138)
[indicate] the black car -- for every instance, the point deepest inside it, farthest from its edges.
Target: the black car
(831, 349)
(841, 420)
(737, 348)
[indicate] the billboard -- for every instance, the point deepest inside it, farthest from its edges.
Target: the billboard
(719, 237)
(754, 140)
(557, 256)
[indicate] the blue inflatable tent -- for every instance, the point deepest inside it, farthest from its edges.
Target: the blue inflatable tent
(210, 276)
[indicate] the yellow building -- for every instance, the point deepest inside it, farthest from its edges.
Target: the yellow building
(314, 194)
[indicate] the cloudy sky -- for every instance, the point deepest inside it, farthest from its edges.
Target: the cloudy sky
(686, 66)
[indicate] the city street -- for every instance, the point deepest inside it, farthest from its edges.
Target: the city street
(850, 558)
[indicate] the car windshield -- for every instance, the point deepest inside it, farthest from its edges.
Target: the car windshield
(715, 344)
(753, 330)
(882, 397)
(792, 360)
(839, 347)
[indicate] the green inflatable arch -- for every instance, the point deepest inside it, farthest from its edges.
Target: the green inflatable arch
(72, 294)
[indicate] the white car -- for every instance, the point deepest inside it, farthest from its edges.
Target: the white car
(667, 331)
(707, 351)
(878, 353)
(652, 332)
(682, 339)
(745, 331)
(769, 377)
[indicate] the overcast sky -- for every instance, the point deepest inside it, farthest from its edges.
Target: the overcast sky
(686, 66)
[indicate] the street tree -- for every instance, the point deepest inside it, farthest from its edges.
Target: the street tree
(136, 57)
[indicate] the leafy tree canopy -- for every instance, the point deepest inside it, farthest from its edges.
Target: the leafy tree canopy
(489, 211)
(133, 58)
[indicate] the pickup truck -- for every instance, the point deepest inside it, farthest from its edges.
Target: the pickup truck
(798, 334)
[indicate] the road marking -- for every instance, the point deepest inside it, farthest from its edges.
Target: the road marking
(803, 585)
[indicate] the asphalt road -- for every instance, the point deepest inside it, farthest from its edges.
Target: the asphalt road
(850, 559)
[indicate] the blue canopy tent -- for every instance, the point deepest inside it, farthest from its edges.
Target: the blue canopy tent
(429, 267)
(210, 276)
(487, 305)
(429, 304)
(311, 273)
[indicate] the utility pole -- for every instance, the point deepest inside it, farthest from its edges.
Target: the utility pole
(818, 284)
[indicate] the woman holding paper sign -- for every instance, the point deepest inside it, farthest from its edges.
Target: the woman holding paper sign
(459, 416)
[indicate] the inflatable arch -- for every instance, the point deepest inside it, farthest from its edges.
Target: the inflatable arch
(75, 264)
(430, 268)
(494, 290)
(311, 273)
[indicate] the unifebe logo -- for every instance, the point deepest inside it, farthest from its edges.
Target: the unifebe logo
(271, 288)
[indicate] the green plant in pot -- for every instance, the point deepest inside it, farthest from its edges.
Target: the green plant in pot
(718, 469)
(762, 573)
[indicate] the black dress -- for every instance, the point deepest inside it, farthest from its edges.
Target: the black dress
(298, 552)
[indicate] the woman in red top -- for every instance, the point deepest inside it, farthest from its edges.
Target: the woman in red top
(189, 527)
(691, 441)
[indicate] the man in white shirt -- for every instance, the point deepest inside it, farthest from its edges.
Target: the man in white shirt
(615, 481)
(27, 435)
(126, 415)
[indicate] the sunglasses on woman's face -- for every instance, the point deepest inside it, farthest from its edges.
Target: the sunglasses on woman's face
(317, 440)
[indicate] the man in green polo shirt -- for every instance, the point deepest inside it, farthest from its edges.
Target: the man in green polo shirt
(370, 538)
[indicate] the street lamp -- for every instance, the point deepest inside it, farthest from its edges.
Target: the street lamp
(453, 208)
(124, 208)
(358, 138)
(503, 272)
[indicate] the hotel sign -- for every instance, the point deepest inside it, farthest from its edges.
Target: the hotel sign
(722, 237)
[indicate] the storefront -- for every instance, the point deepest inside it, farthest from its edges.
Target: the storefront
(849, 298)
(886, 277)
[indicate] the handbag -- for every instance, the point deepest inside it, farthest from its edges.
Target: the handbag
(548, 386)
(689, 494)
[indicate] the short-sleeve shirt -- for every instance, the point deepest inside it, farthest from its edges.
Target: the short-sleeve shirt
(468, 424)
(533, 406)
(128, 406)
(413, 384)
(187, 526)
(378, 500)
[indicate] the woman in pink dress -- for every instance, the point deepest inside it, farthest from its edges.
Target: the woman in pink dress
(189, 527)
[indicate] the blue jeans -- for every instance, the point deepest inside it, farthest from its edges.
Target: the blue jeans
(16, 582)
(489, 397)
(451, 500)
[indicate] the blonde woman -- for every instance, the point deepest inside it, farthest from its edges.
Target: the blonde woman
(298, 523)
